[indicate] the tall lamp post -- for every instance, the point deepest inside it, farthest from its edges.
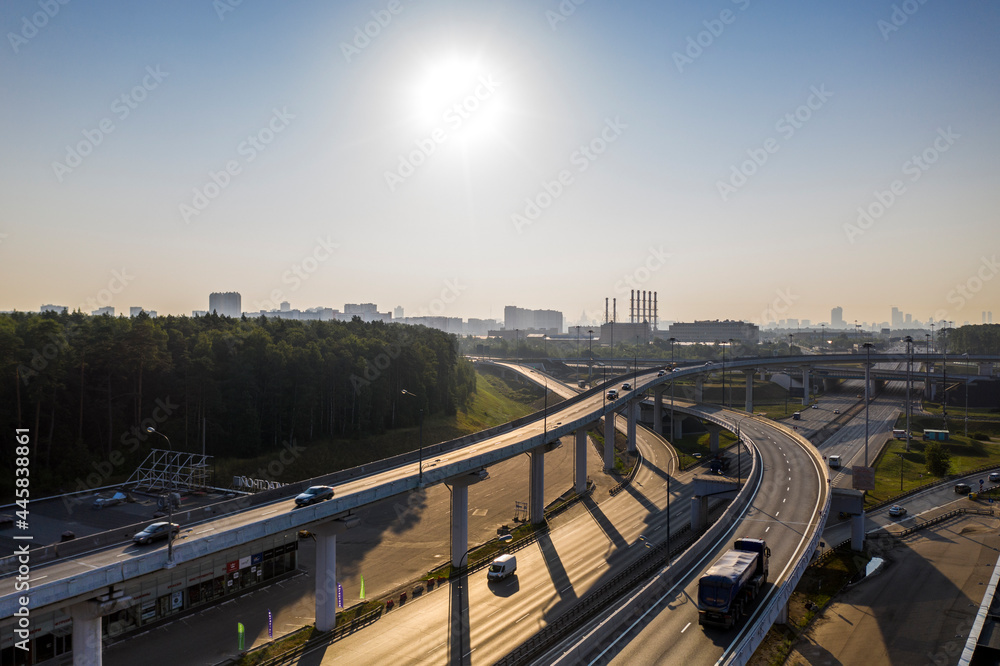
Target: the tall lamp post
(420, 459)
(868, 370)
(672, 368)
(789, 391)
(170, 502)
(909, 405)
(900, 454)
(966, 356)
(723, 374)
(590, 356)
(739, 449)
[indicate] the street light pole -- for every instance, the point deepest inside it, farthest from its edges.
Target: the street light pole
(672, 368)
(966, 355)
(590, 356)
(868, 370)
(909, 406)
(723, 374)
(420, 454)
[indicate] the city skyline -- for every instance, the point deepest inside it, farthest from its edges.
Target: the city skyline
(743, 160)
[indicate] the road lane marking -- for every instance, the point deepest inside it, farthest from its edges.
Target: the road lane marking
(766, 530)
(521, 618)
(685, 627)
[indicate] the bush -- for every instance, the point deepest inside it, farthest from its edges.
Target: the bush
(938, 460)
(981, 436)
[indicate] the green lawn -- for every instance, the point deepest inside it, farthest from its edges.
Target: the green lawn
(495, 401)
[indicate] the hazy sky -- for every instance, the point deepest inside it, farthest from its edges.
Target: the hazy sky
(457, 157)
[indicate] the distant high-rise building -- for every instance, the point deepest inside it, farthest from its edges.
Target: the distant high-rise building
(806, 323)
(53, 308)
(837, 318)
(285, 306)
(897, 318)
(397, 312)
(108, 310)
(532, 320)
(227, 304)
(909, 319)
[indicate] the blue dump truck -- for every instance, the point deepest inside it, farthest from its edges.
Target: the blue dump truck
(729, 587)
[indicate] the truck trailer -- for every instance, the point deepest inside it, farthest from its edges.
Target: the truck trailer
(729, 587)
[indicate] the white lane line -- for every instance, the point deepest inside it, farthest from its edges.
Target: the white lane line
(766, 530)
(521, 618)
(776, 513)
(568, 587)
(783, 501)
(269, 513)
(685, 627)
(205, 530)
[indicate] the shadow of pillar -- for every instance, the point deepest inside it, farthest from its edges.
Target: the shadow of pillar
(458, 612)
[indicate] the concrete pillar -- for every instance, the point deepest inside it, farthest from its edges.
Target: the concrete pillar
(858, 532)
(536, 486)
(609, 441)
(699, 513)
(699, 388)
(658, 410)
(713, 437)
(632, 410)
(678, 426)
(580, 462)
(749, 399)
(87, 648)
(805, 385)
(459, 523)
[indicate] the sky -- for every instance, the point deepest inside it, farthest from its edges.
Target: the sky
(743, 159)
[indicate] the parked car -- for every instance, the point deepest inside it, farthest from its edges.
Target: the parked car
(896, 510)
(994, 477)
(313, 494)
(963, 488)
(156, 531)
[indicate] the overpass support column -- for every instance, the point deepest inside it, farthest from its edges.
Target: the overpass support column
(713, 437)
(805, 385)
(536, 488)
(699, 389)
(609, 441)
(658, 410)
(676, 427)
(699, 513)
(580, 461)
(326, 570)
(749, 401)
(633, 416)
(87, 648)
(858, 532)
(460, 515)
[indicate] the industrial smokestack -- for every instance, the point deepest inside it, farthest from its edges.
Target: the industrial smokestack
(605, 310)
(631, 307)
(614, 310)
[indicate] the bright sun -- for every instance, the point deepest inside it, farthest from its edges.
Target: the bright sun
(456, 93)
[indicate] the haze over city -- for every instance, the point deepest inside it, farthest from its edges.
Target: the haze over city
(731, 156)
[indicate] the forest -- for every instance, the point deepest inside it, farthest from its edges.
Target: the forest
(87, 388)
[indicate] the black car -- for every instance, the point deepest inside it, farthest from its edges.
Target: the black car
(963, 488)
(156, 531)
(314, 494)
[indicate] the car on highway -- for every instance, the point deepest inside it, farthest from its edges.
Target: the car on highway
(661, 373)
(836, 411)
(994, 477)
(313, 494)
(612, 394)
(815, 406)
(963, 488)
(626, 386)
(896, 510)
(156, 531)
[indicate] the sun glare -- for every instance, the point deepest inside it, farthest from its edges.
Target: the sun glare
(456, 94)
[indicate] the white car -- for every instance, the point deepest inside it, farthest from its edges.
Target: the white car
(994, 477)
(896, 510)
